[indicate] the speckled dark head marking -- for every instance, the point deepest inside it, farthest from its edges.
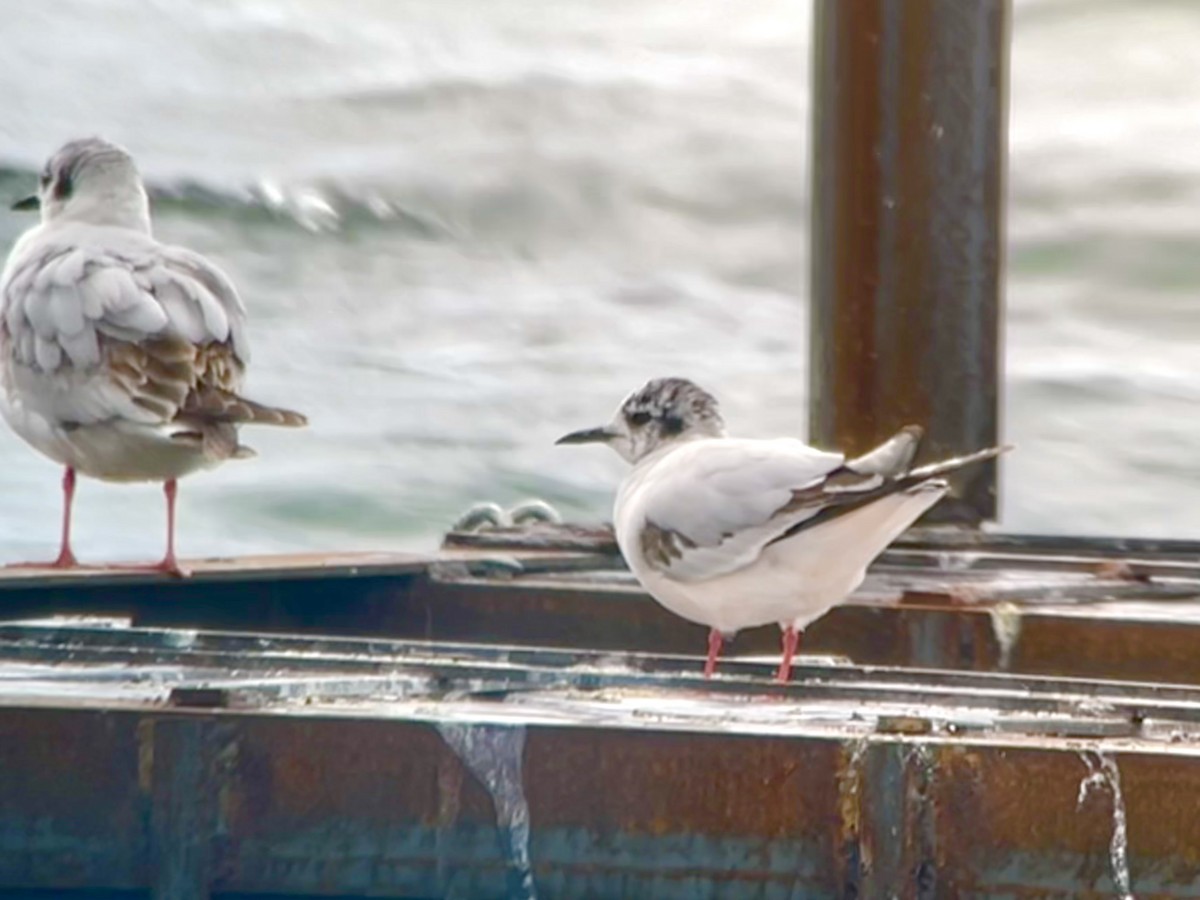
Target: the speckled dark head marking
(663, 412)
(59, 177)
(672, 406)
(63, 186)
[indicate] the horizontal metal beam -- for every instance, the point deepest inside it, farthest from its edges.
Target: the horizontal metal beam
(203, 669)
(1127, 610)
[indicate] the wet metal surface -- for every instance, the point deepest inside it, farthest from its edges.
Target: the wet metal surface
(909, 131)
(406, 769)
(953, 599)
(947, 598)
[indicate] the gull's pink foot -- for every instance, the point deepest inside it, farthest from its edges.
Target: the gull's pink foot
(172, 567)
(64, 560)
(167, 566)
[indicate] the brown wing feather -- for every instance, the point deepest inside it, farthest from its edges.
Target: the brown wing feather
(194, 387)
(213, 398)
(157, 375)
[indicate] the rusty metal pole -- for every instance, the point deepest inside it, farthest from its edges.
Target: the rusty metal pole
(908, 165)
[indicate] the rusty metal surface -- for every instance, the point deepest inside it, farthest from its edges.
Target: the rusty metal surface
(280, 567)
(1154, 641)
(955, 598)
(909, 131)
(961, 599)
(351, 768)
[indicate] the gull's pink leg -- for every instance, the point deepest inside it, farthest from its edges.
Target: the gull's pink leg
(66, 559)
(791, 642)
(715, 642)
(169, 563)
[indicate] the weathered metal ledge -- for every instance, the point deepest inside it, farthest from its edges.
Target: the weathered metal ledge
(1098, 608)
(249, 765)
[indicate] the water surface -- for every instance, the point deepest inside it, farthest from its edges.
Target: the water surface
(464, 228)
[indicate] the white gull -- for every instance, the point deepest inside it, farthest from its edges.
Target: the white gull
(735, 533)
(120, 358)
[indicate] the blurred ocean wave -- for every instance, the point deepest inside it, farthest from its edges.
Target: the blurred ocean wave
(464, 228)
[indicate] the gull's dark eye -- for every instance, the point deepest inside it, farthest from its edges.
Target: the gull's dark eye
(45, 178)
(639, 418)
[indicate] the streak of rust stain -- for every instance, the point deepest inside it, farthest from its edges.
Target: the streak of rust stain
(993, 805)
(851, 854)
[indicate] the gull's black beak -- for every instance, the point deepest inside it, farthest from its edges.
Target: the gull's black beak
(588, 436)
(29, 203)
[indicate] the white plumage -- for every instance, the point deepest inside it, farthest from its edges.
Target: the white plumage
(735, 533)
(120, 357)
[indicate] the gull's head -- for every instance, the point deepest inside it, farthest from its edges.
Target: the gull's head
(93, 181)
(664, 411)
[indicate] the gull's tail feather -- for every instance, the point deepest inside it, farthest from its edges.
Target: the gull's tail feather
(260, 414)
(937, 469)
(833, 502)
(217, 405)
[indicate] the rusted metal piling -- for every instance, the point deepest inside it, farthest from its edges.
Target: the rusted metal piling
(910, 106)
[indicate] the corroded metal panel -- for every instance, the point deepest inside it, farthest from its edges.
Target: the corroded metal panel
(1126, 608)
(398, 769)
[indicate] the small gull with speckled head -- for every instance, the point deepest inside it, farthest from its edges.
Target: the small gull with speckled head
(120, 358)
(735, 533)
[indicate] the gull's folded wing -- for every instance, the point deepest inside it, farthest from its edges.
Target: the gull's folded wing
(128, 328)
(711, 507)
